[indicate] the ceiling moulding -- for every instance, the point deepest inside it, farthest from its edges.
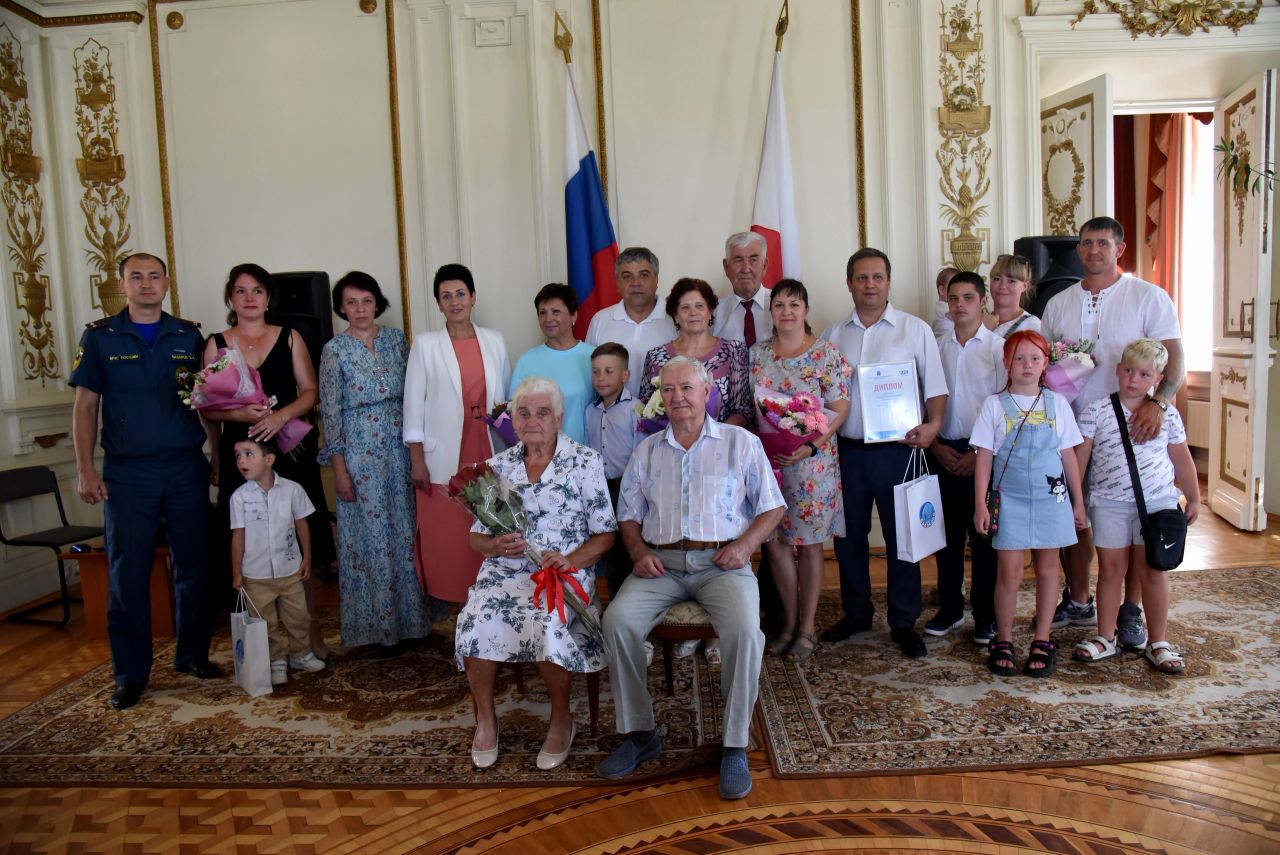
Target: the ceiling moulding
(1156, 17)
(87, 14)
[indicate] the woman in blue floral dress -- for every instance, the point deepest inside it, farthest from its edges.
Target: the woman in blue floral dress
(571, 523)
(361, 387)
(791, 362)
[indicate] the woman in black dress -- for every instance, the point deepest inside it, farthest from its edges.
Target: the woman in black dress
(281, 357)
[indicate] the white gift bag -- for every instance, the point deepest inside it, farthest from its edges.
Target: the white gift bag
(251, 647)
(917, 508)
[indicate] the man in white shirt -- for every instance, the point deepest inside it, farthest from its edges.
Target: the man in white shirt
(973, 362)
(876, 332)
(1112, 308)
(637, 323)
(744, 315)
(696, 501)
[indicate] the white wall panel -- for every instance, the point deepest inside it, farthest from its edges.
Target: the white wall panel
(278, 129)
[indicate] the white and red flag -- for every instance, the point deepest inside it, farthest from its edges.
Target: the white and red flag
(774, 217)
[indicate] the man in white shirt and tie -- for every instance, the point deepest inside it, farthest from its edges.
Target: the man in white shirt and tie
(696, 501)
(637, 323)
(745, 316)
(877, 332)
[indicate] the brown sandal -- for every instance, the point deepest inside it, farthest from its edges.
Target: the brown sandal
(799, 653)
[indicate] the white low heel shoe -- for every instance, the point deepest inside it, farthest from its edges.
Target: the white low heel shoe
(548, 761)
(484, 758)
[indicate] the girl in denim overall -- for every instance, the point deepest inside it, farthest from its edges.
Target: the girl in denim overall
(1021, 435)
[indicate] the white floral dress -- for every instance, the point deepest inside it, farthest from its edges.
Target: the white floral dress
(568, 504)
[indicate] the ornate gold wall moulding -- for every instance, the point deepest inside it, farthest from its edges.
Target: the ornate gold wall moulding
(1062, 203)
(24, 214)
(963, 121)
(859, 134)
(1161, 17)
(70, 20)
(48, 440)
(162, 147)
(101, 168)
(1232, 376)
(174, 20)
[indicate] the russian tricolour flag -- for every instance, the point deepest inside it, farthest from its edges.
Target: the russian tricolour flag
(774, 217)
(592, 247)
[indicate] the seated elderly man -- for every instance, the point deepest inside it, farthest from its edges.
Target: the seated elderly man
(696, 500)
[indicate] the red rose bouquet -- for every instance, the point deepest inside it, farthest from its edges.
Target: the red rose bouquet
(492, 500)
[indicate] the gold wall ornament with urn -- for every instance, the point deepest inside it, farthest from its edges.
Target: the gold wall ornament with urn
(1161, 17)
(964, 120)
(101, 169)
(24, 214)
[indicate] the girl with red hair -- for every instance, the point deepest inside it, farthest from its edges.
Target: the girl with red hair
(1024, 437)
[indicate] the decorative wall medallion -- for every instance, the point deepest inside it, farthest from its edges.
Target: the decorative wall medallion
(963, 121)
(101, 170)
(368, 6)
(24, 214)
(1063, 175)
(1160, 17)
(174, 20)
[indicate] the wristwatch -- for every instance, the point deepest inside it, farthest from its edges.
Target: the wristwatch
(1163, 405)
(813, 449)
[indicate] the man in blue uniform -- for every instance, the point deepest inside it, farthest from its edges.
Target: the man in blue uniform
(153, 468)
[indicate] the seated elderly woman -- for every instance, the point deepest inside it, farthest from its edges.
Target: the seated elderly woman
(571, 523)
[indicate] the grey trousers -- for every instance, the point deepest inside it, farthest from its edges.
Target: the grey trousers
(731, 597)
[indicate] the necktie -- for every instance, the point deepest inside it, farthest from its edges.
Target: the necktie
(748, 323)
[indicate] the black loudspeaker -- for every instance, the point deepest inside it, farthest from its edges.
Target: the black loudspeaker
(1054, 264)
(302, 301)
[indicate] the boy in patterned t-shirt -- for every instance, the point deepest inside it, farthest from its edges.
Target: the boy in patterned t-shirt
(1113, 511)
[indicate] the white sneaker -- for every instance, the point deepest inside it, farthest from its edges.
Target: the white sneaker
(279, 672)
(648, 653)
(685, 649)
(306, 662)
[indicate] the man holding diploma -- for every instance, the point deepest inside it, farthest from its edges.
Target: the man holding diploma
(875, 332)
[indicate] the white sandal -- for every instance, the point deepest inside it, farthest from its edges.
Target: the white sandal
(1164, 658)
(1095, 649)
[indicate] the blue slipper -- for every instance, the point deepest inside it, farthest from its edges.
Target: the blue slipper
(735, 777)
(630, 754)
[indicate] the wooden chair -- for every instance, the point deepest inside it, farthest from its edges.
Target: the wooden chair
(31, 482)
(687, 621)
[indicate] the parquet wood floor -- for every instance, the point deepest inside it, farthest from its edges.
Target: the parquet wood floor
(1221, 804)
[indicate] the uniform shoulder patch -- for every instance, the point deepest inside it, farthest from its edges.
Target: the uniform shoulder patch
(100, 323)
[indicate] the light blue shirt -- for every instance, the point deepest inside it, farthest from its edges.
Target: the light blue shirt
(612, 432)
(571, 369)
(712, 491)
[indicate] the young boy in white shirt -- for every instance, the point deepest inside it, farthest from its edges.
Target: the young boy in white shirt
(1113, 510)
(611, 430)
(271, 554)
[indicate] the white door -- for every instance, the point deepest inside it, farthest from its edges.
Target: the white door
(1242, 354)
(1076, 156)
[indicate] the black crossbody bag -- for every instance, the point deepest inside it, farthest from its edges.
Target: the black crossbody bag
(1164, 533)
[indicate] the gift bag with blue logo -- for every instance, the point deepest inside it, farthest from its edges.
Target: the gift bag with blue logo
(251, 648)
(917, 507)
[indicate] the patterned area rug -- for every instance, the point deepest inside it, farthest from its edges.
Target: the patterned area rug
(363, 721)
(861, 708)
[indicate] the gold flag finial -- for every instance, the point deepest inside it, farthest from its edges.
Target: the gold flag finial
(781, 29)
(563, 38)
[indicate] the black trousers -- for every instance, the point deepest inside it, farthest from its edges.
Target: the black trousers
(957, 513)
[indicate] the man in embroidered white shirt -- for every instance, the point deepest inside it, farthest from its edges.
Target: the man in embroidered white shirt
(696, 501)
(877, 332)
(1112, 308)
(637, 323)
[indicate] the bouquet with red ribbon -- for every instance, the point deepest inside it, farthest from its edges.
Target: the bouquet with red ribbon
(493, 501)
(230, 382)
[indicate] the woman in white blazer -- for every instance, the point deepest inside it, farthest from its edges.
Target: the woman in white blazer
(453, 379)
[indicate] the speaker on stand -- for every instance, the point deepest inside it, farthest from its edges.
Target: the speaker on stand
(1054, 264)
